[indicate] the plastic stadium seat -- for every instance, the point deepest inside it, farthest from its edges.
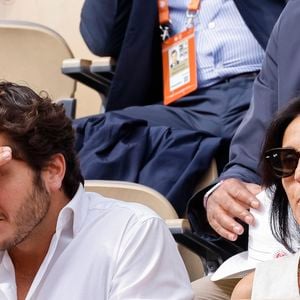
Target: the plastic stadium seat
(32, 54)
(134, 192)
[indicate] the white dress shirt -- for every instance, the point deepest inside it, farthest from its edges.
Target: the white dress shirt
(105, 249)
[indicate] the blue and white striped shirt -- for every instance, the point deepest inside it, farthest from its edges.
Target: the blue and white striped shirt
(225, 45)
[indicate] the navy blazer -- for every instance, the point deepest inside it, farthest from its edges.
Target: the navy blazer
(128, 30)
(277, 83)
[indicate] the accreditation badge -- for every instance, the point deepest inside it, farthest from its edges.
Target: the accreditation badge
(179, 65)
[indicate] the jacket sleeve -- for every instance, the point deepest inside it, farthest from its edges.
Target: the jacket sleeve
(103, 24)
(245, 149)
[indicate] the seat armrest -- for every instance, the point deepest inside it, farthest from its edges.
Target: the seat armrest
(212, 250)
(69, 105)
(79, 69)
(104, 67)
(177, 226)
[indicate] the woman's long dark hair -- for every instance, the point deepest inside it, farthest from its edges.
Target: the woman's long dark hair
(280, 204)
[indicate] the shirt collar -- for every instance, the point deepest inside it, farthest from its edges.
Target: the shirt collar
(71, 216)
(74, 213)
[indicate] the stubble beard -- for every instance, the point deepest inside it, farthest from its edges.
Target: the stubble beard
(30, 214)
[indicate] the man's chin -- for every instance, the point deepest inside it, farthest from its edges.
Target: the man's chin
(8, 244)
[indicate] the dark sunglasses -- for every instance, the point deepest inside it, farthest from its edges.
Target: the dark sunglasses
(283, 161)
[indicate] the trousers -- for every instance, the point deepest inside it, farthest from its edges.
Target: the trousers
(167, 148)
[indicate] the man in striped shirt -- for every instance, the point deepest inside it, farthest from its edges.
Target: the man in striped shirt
(169, 147)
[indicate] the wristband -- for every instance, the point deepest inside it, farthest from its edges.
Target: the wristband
(209, 192)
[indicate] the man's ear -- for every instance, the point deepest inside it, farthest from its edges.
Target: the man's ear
(54, 172)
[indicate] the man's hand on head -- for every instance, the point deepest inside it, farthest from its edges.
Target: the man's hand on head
(231, 201)
(5, 154)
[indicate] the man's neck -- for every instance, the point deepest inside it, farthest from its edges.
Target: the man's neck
(26, 263)
(28, 256)
(27, 259)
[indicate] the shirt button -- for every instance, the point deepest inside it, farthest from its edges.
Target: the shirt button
(211, 25)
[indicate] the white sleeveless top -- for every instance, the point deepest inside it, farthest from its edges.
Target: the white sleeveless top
(277, 279)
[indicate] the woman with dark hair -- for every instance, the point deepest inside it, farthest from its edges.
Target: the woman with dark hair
(281, 174)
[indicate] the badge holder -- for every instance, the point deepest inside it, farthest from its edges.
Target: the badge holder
(178, 56)
(179, 66)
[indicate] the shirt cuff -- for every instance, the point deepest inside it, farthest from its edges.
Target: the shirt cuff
(209, 192)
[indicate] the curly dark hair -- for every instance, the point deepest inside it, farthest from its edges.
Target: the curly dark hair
(280, 204)
(38, 128)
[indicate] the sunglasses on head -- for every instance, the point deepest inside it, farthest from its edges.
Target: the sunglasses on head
(283, 161)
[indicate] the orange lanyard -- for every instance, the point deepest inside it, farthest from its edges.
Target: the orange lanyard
(164, 16)
(163, 10)
(194, 5)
